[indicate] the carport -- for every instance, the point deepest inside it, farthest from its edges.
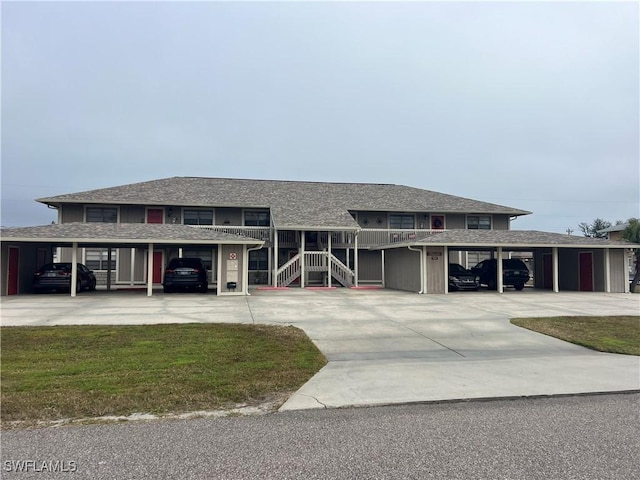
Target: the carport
(562, 262)
(25, 249)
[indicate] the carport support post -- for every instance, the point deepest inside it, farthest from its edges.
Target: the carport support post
(150, 271)
(329, 259)
(74, 269)
(275, 257)
(500, 280)
(554, 257)
(607, 271)
(302, 262)
(109, 269)
(355, 259)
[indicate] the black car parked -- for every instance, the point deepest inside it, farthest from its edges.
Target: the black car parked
(461, 279)
(57, 276)
(514, 273)
(185, 274)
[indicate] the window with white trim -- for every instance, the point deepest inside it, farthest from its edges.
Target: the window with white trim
(479, 222)
(102, 214)
(197, 217)
(98, 258)
(402, 221)
(256, 218)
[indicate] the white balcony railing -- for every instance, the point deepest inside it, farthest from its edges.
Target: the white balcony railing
(372, 237)
(367, 237)
(259, 233)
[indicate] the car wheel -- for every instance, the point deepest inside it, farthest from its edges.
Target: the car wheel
(519, 286)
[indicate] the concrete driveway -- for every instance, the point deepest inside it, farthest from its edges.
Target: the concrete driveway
(386, 346)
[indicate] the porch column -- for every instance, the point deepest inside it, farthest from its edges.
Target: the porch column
(607, 271)
(382, 259)
(150, 271)
(554, 257)
(109, 269)
(180, 252)
(74, 269)
(500, 282)
(355, 259)
(302, 262)
(132, 267)
(329, 259)
(269, 265)
(275, 258)
(219, 270)
(445, 264)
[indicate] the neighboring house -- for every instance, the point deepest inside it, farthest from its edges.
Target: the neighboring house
(292, 233)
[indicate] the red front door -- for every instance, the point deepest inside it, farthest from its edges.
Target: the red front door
(586, 272)
(12, 274)
(155, 215)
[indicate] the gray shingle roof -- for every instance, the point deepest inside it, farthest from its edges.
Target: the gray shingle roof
(134, 233)
(509, 238)
(293, 204)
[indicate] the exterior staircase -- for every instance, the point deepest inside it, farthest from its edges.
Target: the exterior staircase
(315, 262)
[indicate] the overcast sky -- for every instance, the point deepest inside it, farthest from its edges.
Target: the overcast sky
(534, 105)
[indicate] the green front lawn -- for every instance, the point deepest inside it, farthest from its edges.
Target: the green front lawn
(67, 372)
(615, 334)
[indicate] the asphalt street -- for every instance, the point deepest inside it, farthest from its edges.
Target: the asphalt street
(580, 437)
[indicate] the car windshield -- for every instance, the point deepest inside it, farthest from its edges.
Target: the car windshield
(455, 268)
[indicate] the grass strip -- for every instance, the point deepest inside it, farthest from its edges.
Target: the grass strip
(612, 334)
(68, 372)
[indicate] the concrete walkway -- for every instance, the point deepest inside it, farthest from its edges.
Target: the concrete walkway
(386, 346)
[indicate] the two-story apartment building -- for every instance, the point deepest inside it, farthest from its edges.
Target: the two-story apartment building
(330, 225)
(287, 233)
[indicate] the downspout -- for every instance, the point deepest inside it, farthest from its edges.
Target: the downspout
(421, 251)
(246, 277)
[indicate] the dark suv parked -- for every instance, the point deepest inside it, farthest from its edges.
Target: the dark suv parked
(185, 274)
(514, 273)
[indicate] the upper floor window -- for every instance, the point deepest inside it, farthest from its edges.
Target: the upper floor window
(401, 221)
(102, 214)
(479, 222)
(197, 217)
(256, 218)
